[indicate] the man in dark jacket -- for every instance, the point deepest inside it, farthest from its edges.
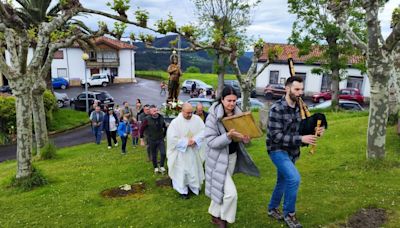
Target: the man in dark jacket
(141, 116)
(283, 145)
(155, 128)
(200, 112)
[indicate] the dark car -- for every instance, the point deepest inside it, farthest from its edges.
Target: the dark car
(103, 97)
(274, 91)
(59, 83)
(352, 94)
(5, 89)
(235, 85)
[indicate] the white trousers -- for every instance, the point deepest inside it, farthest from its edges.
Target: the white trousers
(227, 210)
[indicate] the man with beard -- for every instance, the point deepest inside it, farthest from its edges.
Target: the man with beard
(283, 145)
(154, 127)
(185, 152)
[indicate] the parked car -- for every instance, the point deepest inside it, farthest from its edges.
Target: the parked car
(352, 94)
(5, 89)
(62, 99)
(103, 97)
(59, 83)
(235, 85)
(96, 80)
(205, 101)
(187, 86)
(274, 91)
(344, 104)
(254, 103)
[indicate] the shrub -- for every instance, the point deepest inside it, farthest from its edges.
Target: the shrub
(50, 105)
(193, 69)
(48, 151)
(7, 117)
(36, 179)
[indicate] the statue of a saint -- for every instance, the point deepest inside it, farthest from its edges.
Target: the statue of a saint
(175, 73)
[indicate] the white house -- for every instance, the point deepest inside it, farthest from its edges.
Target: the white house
(278, 71)
(112, 57)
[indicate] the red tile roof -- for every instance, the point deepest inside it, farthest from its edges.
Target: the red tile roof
(116, 44)
(291, 50)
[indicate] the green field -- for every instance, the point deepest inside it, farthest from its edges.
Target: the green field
(336, 182)
(210, 79)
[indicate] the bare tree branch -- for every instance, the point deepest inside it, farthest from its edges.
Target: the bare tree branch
(53, 47)
(262, 68)
(393, 39)
(188, 49)
(115, 17)
(12, 48)
(5, 69)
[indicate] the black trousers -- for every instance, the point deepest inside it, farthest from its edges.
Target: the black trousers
(154, 146)
(113, 135)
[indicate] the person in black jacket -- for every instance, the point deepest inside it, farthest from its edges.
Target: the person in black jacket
(155, 128)
(110, 125)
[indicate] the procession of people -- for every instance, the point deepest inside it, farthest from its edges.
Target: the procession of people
(198, 148)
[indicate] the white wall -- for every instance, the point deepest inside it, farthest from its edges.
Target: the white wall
(126, 67)
(313, 81)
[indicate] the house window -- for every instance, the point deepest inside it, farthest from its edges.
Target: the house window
(273, 77)
(58, 55)
(354, 82)
(62, 72)
(326, 82)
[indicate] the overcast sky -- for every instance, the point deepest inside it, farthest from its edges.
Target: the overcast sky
(270, 20)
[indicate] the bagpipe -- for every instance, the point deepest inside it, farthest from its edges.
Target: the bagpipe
(309, 124)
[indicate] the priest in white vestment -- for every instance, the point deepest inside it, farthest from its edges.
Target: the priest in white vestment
(185, 152)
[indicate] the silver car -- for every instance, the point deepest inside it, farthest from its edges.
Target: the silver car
(62, 99)
(187, 86)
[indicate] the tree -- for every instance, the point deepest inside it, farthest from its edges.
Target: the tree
(380, 54)
(316, 29)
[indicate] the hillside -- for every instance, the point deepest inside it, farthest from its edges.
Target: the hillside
(147, 59)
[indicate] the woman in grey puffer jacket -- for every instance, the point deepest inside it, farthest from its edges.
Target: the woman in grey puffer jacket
(223, 158)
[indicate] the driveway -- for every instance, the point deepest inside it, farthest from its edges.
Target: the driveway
(148, 91)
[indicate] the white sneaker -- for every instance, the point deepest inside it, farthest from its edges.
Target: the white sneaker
(162, 169)
(109, 147)
(116, 144)
(156, 170)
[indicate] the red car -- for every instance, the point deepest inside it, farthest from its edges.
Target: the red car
(351, 94)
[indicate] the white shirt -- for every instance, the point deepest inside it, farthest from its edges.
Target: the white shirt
(113, 124)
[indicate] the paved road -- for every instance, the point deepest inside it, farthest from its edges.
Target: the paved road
(148, 91)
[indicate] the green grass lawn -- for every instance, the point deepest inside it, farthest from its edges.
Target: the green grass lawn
(64, 119)
(336, 182)
(210, 79)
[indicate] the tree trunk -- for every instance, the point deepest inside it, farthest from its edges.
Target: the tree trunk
(335, 89)
(39, 115)
(335, 68)
(379, 69)
(24, 127)
(221, 74)
(246, 91)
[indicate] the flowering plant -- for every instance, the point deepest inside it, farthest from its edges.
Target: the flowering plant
(172, 108)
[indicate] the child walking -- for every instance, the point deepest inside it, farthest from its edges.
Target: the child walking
(135, 132)
(124, 129)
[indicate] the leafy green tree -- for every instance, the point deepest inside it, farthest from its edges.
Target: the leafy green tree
(316, 29)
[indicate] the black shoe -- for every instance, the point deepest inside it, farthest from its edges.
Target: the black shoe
(275, 213)
(292, 222)
(184, 196)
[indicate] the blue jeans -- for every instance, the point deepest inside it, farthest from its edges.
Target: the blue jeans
(97, 134)
(288, 181)
(123, 146)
